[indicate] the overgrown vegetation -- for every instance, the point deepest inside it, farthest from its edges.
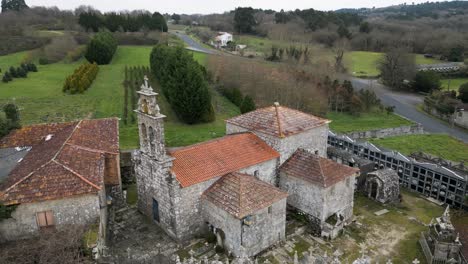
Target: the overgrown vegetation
(134, 77)
(19, 72)
(183, 83)
(101, 48)
(81, 79)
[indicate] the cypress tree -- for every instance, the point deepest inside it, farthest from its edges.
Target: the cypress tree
(247, 105)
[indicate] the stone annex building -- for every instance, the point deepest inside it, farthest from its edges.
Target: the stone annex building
(239, 186)
(58, 175)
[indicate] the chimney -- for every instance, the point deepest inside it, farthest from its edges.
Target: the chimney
(280, 130)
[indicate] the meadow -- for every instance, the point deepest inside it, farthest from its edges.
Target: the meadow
(454, 83)
(364, 63)
(440, 145)
(345, 123)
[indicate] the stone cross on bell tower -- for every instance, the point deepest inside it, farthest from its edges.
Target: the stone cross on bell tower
(150, 123)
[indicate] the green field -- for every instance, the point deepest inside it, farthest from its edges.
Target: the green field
(364, 63)
(454, 83)
(41, 100)
(345, 123)
(440, 145)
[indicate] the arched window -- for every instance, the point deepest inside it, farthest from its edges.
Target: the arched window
(144, 137)
(151, 139)
(144, 106)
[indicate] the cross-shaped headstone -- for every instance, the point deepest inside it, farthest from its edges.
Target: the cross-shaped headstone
(415, 261)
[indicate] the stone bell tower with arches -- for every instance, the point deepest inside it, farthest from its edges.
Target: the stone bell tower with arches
(150, 123)
(155, 182)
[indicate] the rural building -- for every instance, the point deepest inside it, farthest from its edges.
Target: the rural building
(320, 188)
(438, 179)
(58, 175)
(222, 39)
(242, 210)
(230, 186)
(383, 186)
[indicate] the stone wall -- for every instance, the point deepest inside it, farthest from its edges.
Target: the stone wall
(265, 171)
(127, 169)
(78, 210)
(388, 132)
(313, 140)
(154, 181)
(304, 196)
(339, 199)
(266, 229)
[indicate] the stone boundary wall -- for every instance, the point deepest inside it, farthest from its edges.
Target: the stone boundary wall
(388, 132)
(126, 167)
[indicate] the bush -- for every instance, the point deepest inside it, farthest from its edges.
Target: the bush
(58, 48)
(183, 83)
(32, 67)
(426, 81)
(43, 61)
(13, 72)
(7, 77)
(21, 72)
(101, 48)
(81, 79)
(463, 93)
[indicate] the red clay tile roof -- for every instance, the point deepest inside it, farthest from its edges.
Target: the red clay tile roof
(278, 121)
(65, 159)
(241, 194)
(315, 169)
(205, 161)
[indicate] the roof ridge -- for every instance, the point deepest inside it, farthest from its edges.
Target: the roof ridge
(77, 174)
(66, 140)
(322, 175)
(27, 176)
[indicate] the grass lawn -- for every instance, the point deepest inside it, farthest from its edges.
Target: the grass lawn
(454, 83)
(364, 63)
(41, 100)
(345, 123)
(440, 145)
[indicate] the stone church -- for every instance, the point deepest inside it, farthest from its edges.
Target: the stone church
(239, 186)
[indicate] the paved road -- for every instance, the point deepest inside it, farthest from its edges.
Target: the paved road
(192, 44)
(406, 105)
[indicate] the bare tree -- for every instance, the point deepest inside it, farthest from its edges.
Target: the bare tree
(340, 47)
(396, 67)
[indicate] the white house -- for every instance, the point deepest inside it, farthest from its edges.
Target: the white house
(222, 39)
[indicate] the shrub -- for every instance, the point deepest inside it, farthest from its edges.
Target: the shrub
(21, 72)
(463, 93)
(101, 48)
(6, 77)
(183, 83)
(11, 112)
(426, 81)
(13, 72)
(81, 79)
(43, 61)
(32, 67)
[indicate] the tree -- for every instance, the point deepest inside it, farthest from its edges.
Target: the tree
(101, 48)
(244, 20)
(158, 22)
(426, 81)
(339, 49)
(343, 32)
(183, 82)
(13, 5)
(11, 112)
(7, 77)
(463, 93)
(21, 72)
(90, 21)
(247, 105)
(364, 27)
(396, 66)
(456, 53)
(13, 72)
(176, 18)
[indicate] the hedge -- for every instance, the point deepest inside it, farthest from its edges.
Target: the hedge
(81, 79)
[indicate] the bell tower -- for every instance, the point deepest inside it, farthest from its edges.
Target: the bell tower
(150, 123)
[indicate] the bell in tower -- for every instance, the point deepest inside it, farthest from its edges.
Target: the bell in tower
(150, 123)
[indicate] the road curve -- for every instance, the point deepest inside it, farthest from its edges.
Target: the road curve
(406, 105)
(192, 44)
